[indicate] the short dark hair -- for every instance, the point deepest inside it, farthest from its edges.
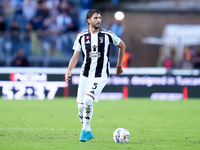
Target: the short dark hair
(91, 12)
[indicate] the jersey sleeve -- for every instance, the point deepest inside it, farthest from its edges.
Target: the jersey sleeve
(77, 45)
(115, 39)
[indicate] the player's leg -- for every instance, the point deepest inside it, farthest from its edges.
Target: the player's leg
(80, 97)
(87, 116)
(92, 93)
(80, 111)
(88, 111)
(82, 108)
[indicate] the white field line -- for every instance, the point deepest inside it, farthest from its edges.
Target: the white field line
(54, 129)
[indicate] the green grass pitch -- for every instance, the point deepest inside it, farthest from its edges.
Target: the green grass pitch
(54, 125)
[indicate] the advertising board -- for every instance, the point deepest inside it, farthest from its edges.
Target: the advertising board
(22, 85)
(154, 83)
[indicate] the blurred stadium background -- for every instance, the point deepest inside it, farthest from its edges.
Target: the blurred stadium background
(162, 39)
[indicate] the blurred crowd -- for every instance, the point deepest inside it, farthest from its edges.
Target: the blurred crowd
(44, 30)
(191, 59)
(39, 27)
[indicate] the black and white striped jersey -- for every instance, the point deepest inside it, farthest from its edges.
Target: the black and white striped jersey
(95, 49)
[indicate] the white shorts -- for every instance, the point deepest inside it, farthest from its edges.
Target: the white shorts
(92, 86)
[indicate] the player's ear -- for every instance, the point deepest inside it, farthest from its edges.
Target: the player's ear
(88, 21)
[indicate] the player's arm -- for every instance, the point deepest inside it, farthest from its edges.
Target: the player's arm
(72, 64)
(122, 47)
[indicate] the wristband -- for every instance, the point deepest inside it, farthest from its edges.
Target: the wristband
(119, 67)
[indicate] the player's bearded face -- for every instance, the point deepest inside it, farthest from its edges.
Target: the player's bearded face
(95, 21)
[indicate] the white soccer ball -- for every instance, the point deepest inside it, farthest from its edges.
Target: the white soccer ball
(121, 135)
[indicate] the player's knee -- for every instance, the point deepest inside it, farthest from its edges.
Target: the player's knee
(88, 100)
(80, 106)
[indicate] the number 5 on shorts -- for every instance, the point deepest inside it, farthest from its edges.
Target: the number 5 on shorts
(95, 86)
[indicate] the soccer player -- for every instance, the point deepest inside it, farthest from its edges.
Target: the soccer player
(94, 45)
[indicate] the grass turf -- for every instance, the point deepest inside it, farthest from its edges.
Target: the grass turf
(54, 125)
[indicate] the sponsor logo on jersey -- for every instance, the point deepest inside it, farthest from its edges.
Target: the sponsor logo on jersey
(94, 52)
(87, 42)
(94, 48)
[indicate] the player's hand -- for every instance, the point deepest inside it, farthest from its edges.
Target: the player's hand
(68, 76)
(119, 70)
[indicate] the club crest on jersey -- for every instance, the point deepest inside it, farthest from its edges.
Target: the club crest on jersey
(94, 52)
(101, 39)
(87, 37)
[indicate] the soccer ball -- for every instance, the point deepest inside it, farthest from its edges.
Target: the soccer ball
(121, 135)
